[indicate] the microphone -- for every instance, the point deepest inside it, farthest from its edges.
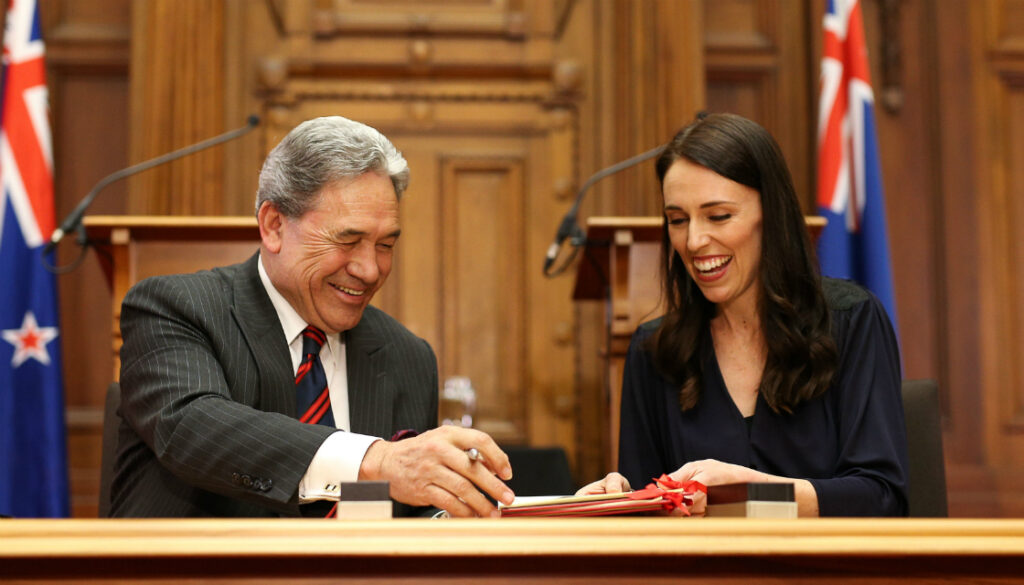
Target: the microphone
(569, 226)
(74, 218)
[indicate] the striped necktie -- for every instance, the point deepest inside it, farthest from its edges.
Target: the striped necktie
(313, 402)
(313, 399)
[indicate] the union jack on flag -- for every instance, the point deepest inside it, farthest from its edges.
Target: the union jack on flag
(33, 460)
(855, 243)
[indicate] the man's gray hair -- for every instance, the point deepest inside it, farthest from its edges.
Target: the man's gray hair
(321, 151)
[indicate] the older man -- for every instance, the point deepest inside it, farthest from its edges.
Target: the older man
(258, 388)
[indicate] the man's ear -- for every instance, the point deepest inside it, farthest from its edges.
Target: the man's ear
(271, 223)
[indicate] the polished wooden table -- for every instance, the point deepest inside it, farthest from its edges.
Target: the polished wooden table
(577, 551)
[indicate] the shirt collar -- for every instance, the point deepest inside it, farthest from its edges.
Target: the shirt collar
(291, 322)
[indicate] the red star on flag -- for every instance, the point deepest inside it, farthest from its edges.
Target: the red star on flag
(30, 341)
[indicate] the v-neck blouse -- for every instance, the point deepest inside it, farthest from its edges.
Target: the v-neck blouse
(850, 442)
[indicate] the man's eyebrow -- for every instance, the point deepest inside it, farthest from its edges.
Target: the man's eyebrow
(352, 232)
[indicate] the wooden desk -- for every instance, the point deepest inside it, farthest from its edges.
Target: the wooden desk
(578, 551)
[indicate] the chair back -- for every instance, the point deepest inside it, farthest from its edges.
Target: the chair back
(111, 422)
(927, 473)
(539, 471)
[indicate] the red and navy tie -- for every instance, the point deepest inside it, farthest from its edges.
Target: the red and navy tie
(313, 401)
(313, 398)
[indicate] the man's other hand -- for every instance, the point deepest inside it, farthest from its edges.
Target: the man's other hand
(434, 469)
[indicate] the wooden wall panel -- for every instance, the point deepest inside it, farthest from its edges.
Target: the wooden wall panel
(483, 306)
(177, 100)
(911, 134)
(647, 83)
(86, 329)
(757, 59)
(642, 77)
(87, 53)
(558, 90)
(488, 129)
(250, 33)
(951, 153)
(1001, 212)
(466, 278)
(740, 94)
(431, 16)
(958, 286)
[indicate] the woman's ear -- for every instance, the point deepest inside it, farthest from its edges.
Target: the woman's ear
(271, 223)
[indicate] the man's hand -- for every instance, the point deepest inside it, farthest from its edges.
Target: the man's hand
(433, 469)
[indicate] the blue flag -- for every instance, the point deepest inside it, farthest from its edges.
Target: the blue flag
(33, 451)
(855, 243)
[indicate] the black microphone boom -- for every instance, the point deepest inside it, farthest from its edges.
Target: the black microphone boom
(75, 217)
(569, 226)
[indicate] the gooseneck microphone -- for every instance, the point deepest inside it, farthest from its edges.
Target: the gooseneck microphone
(570, 229)
(74, 219)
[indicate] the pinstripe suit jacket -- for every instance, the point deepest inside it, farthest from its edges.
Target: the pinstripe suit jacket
(208, 396)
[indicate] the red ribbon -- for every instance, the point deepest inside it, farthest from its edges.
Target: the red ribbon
(670, 499)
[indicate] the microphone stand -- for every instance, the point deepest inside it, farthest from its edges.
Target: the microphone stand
(74, 219)
(569, 227)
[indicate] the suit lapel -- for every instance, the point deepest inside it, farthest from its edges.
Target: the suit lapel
(261, 329)
(370, 393)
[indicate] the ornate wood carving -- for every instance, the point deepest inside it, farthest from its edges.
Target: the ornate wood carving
(484, 113)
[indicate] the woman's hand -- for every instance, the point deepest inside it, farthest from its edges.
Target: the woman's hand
(713, 472)
(613, 483)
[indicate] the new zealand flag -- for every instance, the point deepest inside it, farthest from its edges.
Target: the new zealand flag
(33, 460)
(855, 244)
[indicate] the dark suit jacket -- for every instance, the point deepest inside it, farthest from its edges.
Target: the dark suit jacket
(208, 396)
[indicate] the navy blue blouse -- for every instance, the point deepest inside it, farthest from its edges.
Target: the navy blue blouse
(850, 442)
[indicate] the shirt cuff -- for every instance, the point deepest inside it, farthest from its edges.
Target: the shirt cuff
(336, 461)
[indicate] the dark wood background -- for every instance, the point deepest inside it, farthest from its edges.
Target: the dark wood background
(503, 107)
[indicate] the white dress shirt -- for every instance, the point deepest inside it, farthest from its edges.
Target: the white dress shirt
(339, 457)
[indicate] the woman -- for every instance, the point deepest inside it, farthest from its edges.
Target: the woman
(760, 370)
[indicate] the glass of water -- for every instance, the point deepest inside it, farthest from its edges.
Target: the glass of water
(458, 402)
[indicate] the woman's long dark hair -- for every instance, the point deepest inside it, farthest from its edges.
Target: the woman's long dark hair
(802, 356)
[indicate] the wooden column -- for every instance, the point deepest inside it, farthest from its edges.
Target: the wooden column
(644, 65)
(651, 72)
(177, 98)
